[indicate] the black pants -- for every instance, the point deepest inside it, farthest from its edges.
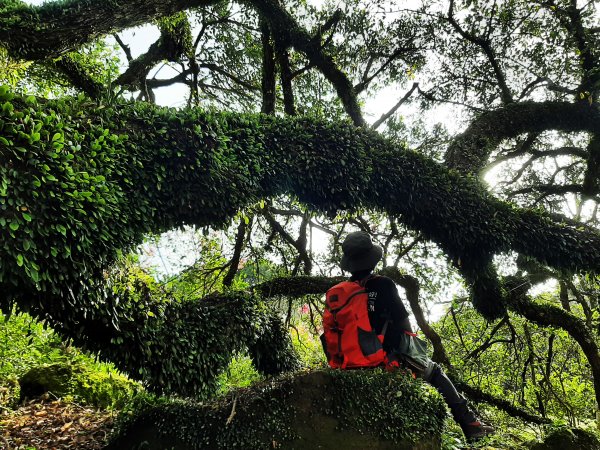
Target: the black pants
(458, 405)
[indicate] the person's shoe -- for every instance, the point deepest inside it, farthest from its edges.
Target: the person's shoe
(476, 430)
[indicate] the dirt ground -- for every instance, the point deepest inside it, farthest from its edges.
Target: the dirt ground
(54, 425)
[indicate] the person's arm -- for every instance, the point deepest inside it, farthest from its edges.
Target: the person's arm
(397, 311)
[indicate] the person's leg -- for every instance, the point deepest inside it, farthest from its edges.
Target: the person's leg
(471, 426)
(458, 405)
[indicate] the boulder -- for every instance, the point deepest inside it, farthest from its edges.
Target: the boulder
(96, 388)
(53, 378)
(568, 439)
(360, 409)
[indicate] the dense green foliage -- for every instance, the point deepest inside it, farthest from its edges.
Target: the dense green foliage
(185, 344)
(84, 180)
(81, 183)
(537, 368)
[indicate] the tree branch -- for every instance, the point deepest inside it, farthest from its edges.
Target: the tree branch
(49, 30)
(366, 79)
(267, 70)
(298, 244)
(79, 77)
(124, 47)
(170, 46)
(240, 159)
(237, 253)
(388, 114)
(484, 44)
(411, 287)
(285, 72)
(286, 32)
(571, 20)
(591, 179)
(549, 315)
(469, 151)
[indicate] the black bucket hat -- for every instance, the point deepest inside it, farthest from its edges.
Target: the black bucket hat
(359, 252)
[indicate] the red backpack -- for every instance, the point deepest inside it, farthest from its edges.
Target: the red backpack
(348, 339)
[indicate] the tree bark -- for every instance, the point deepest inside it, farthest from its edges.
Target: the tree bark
(49, 30)
(268, 70)
(285, 73)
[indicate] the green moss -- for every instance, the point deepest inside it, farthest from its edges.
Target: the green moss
(392, 413)
(368, 409)
(100, 389)
(568, 439)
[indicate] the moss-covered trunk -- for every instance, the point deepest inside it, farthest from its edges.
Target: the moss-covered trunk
(364, 409)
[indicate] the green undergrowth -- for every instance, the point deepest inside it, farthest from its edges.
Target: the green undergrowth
(240, 373)
(28, 346)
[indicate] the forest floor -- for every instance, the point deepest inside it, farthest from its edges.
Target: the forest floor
(54, 425)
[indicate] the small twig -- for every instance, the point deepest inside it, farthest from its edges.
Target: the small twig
(232, 415)
(388, 114)
(124, 47)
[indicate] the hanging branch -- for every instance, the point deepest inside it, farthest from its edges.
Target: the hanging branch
(268, 70)
(237, 252)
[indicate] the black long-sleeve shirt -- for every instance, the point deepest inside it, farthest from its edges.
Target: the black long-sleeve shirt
(384, 306)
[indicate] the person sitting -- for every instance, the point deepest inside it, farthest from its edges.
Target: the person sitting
(368, 310)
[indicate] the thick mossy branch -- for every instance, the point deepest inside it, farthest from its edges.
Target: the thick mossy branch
(174, 43)
(179, 347)
(79, 77)
(469, 152)
(359, 409)
(81, 182)
(297, 286)
(49, 30)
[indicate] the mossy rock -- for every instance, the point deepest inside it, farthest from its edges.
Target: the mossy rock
(96, 388)
(568, 439)
(362, 409)
(53, 378)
